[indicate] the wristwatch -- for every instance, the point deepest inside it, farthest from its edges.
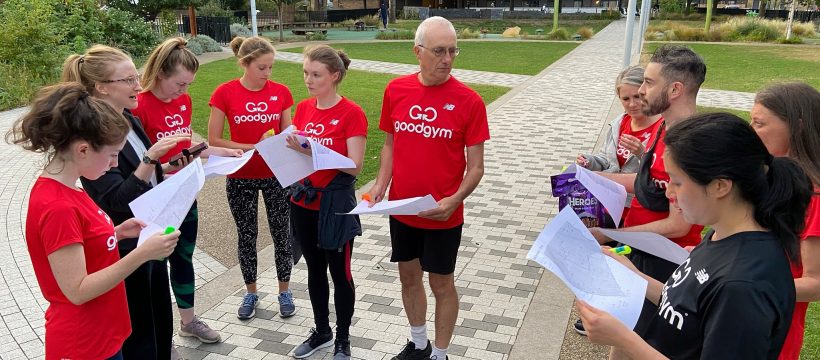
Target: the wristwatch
(147, 159)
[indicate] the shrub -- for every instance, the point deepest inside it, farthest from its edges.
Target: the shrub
(207, 43)
(586, 32)
(31, 39)
(168, 24)
(793, 40)
(558, 34)
(129, 32)
(195, 47)
(17, 84)
(238, 29)
(212, 8)
(396, 35)
(83, 23)
(315, 36)
(408, 14)
(371, 20)
(466, 33)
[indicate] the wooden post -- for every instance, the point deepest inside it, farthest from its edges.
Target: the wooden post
(192, 17)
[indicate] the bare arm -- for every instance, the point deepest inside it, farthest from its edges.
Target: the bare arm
(385, 171)
(627, 180)
(473, 175)
(69, 268)
(673, 226)
(808, 285)
(355, 152)
(285, 120)
(216, 126)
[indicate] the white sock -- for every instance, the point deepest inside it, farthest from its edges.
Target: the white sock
(438, 354)
(418, 334)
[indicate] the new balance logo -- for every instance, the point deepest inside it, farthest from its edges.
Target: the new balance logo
(274, 98)
(702, 276)
(334, 122)
(183, 108)
(449, 107)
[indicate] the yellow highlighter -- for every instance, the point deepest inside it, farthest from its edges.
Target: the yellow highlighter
(622, 250)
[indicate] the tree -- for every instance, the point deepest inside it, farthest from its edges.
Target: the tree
(556, 9)
(279, 5)
(149, 9)
(709, 5)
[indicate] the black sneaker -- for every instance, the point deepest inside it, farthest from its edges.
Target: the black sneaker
(315, 341)
(341, 350)
(411, 353)
(579, 328)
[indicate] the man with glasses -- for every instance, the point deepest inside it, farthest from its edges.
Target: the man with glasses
(430, 118)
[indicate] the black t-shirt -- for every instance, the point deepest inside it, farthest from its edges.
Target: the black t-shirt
(731, 299)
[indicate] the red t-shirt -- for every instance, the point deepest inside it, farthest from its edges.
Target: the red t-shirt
(249, 115)
(794, 339)
(161, 119)
(639, 215)
(431, 126)
(626, 128)
(331, 128)
(59, 216)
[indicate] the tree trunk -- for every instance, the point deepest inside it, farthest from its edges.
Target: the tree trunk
(512, 5)
(281, 31)
(556, 9)
(392, 12)
(762, 11)
(709, 5)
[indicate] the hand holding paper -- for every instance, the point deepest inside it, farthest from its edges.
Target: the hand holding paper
(411, 206)
(220, 165)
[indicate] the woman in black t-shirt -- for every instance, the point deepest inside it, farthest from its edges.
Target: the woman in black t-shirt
(733, 297)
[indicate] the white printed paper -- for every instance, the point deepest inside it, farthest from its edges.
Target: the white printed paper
(650, 243)
(288, 165)
(225, 165)
(168, 203)
(611, 194)
(567, 249)
(411, 206)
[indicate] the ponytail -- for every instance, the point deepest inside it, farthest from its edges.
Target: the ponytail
(715, 146)
(782, 207)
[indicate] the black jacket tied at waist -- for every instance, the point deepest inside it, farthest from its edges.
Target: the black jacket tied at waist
(338, 197)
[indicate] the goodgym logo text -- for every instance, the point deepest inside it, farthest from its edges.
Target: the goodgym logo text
(256, 112)
(424, 115)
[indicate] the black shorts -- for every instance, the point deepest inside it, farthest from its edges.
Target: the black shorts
(436, 249)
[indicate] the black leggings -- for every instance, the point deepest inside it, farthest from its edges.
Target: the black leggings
(243, 195)
(305, 224)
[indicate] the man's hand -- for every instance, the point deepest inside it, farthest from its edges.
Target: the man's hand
(446, 207)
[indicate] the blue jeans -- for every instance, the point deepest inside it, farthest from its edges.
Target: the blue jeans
(117, 356)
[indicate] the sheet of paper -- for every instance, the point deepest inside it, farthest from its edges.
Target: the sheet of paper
(411, 206)
(325, 158)
(567, 249)
(220, 165)
(650, 243)
(288, 165)
(611, 194)
(168, 203)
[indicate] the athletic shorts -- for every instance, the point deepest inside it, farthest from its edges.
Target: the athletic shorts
(436, 249)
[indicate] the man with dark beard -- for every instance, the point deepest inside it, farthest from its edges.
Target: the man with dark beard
(671, 82)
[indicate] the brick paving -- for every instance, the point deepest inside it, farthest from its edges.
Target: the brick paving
(536, 129)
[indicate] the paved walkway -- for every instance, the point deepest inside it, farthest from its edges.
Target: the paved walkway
(510, 308)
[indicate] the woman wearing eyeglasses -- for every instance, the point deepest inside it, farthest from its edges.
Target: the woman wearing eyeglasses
(109, 74)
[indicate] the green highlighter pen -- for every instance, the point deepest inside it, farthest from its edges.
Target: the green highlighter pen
(622, 250)
(168, 230)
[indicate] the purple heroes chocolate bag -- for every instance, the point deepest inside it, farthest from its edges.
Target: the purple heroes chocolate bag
(570, 191)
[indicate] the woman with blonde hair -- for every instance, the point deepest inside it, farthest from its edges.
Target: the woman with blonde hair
(109, 75)
(255, 108)
(164, 109)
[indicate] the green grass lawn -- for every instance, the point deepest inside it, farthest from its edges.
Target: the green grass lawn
(365, 88)
(750, 67)
(519, 57)
(740, 113)
(811, 339)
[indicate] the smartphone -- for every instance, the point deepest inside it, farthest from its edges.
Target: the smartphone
(191, 151)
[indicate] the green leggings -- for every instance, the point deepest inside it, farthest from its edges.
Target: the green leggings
(181, 260)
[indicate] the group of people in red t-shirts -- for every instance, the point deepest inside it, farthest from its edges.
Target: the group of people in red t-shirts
(684, 171)
(118, 132)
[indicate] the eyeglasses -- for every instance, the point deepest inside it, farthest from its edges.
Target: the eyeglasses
(130, 81)
(184, 84)
(440, 51)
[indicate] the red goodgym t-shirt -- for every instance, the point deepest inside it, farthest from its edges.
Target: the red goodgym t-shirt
(639, 215)
(161, 119)
(794, 338)
(59, 216)
(645, 135)
(249, 115)
(331, 128)
(431, 127)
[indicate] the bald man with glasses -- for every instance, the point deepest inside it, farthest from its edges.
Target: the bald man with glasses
(430, 118)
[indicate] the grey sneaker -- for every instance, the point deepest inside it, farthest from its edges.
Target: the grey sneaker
(200, 330)
(341, 350)
(248, 308)
(315, 341)
(286, 306)
(411, 353)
